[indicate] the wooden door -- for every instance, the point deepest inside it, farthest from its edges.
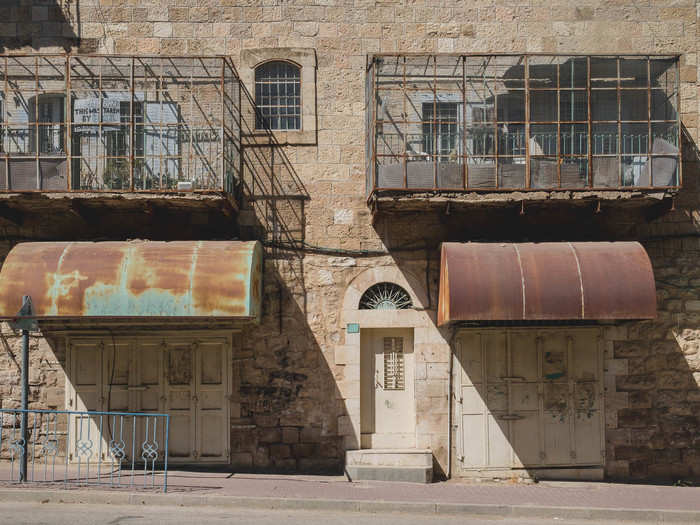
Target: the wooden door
(86, 365)
(180, 359)
(212, 438)
(185, 377)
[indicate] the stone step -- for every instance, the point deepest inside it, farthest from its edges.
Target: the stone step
(389, 458)
(376, 473)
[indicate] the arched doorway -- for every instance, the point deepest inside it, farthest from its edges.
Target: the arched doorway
(387, 374)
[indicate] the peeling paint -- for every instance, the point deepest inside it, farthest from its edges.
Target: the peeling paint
(134, 279)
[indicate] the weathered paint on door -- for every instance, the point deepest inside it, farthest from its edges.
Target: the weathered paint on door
(186, 377)
(387, 384)
(212, 402)
(529, 398)
(86, 365)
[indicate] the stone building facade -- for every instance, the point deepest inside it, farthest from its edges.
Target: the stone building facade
(295, 398)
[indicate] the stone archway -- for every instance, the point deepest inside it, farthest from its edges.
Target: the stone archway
(429, 347)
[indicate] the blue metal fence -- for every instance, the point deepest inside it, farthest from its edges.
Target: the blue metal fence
(114, 449)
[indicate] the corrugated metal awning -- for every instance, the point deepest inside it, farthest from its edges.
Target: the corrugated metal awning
(545, 281)
(135, 279)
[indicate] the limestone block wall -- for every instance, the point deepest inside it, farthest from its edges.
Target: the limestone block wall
(46, 373)
(296, 372)
(652, 378)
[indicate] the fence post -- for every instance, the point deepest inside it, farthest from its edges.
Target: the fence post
(25, 405)
(24, 323)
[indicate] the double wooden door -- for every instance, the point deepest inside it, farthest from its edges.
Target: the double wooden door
(187, 377)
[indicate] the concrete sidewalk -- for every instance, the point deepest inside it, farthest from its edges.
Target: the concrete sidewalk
(595, 501)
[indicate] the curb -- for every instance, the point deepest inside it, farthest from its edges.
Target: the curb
(372, 507)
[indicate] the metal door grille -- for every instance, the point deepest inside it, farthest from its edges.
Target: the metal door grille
(393, 364)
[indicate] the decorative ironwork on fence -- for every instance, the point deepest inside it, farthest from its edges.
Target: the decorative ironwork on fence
(114, 449)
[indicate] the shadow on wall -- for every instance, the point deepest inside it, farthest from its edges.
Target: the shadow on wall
(651, 403)
(290, 406)
(647, 421)
(653, 428)
(652, 368)
(271, 188)
(655, 433)
(289, 402)
(273, 199)
(39, 24)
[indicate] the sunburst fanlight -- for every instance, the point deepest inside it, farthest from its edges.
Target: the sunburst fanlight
(385, 296)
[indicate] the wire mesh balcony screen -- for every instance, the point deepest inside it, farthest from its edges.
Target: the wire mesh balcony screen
(492, 122)
(118, 123)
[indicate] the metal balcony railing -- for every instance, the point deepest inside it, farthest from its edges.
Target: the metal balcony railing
(119, 123)
(522, 122)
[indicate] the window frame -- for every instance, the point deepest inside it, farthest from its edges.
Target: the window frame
(260, 118)
(305, 59)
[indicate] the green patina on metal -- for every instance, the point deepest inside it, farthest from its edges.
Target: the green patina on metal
(215, 279)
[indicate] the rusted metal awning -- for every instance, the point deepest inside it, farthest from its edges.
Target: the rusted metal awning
(135, 279)
(545, 281)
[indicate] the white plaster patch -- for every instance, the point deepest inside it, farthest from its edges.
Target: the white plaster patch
(343, 216)
(325, 277)
(342, 261)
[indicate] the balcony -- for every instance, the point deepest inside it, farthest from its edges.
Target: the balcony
(500, 124)
(119, 124)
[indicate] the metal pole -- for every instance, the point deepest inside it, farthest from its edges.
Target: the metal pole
(24, 325)
(25, 404)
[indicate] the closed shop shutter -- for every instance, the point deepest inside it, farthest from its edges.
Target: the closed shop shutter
(187, 377)
(530, 398)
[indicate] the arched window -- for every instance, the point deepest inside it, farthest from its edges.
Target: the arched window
(385, 296)
(278, 96)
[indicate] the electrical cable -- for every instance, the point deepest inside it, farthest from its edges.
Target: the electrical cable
(303, 246)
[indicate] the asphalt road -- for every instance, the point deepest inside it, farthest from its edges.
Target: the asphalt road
(70, 514)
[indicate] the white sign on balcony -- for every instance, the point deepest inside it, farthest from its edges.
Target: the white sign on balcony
(87, 111)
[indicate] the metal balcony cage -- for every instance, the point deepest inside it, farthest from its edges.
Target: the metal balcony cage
(522, 122)
(119, 123)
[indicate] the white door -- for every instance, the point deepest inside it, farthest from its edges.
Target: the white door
(387, 384)
(185, 377)
(86, 364)
(212, 438)
(530, 398)
(181, 398)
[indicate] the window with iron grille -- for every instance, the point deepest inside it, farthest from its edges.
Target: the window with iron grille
(278, 96)
(393, 364)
